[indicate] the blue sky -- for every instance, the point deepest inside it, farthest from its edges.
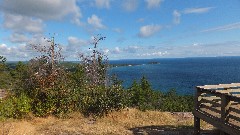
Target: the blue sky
(133, 28)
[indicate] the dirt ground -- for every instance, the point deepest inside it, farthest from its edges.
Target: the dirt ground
(125, 122)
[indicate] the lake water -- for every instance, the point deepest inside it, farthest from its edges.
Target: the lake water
(182, 74)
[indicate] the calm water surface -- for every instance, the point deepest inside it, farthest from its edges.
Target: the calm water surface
(183, 74)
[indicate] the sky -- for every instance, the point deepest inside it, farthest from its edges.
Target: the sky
(134, 29)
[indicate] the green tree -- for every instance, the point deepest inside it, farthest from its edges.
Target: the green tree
(137, 95)
(20, 76)
(5, 77)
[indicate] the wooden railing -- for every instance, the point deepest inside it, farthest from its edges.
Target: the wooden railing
(218, 105)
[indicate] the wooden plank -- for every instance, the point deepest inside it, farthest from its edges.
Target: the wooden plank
(209, 101)
(234, 98)
(212, 98)
(218, 124)
(196, 107)
(235, 109)
(233, 124)
(212, 102)
(230, 91)
(236, 95)
(234, 90)
(211, 108)
(225, 104)
(211, 92)
(223, 91)
(237, 84)
(230, 85)
(196, 126)
(234, 103)
(220, 86)
(197, 95)
(234, 117)
(210, 113)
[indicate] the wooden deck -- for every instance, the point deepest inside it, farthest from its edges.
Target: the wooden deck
(218, 105)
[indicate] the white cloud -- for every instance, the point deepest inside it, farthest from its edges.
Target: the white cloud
(224, 28)
(132, 49)
(3, 49)
(75, 44)
(102, 3)
(197, 10)
(116, 50)
(230, 48)
(176, 17)
(130, 5)
(76, 41)
(96, 22)
(105, 51)
(15, 53)
(149, 30)
(18, 38)
(153, 3)
(153, 54)
(19, 23)
(177, 14)
(43, 9)
(38, 39)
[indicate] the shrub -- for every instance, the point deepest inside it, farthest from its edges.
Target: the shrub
(102, 100)
(7, 108)
(43, 86)
(177, 103)
(15, 107)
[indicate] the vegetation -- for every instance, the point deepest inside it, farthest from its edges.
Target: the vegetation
(44, 86)
(126, 121)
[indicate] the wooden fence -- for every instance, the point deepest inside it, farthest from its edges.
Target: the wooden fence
(218, 105)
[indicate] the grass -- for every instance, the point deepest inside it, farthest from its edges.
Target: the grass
(127, 121)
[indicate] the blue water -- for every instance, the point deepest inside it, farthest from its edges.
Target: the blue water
(182, 74)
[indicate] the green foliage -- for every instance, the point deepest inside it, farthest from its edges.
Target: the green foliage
(144, 98)
(20, 75)
(176, 103)
(7, 108)
(77, 77)
(102, 100)
(23, 106)
(45, 87)
(15, 107)
(5, 77)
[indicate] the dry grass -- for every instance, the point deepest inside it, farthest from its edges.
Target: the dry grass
(125, 122)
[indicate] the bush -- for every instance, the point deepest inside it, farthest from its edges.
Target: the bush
(102, 100)
(177, 103)
(43, 86)
(144, 98)
(7, 108)
(15, 107)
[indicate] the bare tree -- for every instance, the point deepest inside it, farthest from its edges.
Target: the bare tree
(95, 65)
(45, 68)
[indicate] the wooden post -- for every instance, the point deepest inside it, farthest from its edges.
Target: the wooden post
(225, 104)
(196, 108)
(196, 125)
